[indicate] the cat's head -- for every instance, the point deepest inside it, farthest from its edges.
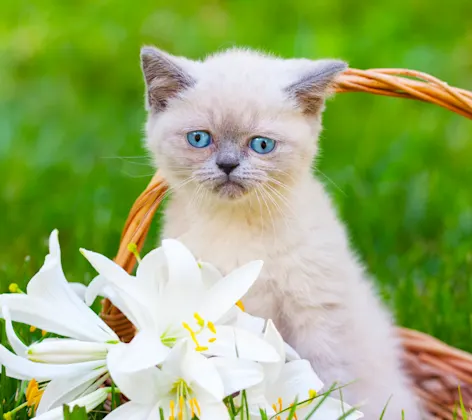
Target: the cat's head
(237, 122)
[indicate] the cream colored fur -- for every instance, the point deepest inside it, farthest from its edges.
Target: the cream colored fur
(312, 285)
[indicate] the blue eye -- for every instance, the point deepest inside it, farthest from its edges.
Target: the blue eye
(199, 139)
(262, 145)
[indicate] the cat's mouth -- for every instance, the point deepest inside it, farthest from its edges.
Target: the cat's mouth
(230, 189)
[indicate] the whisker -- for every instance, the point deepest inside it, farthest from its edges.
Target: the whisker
(331, 181)
(260, 209)
(281, 198)
(277, 206)
(263, 196)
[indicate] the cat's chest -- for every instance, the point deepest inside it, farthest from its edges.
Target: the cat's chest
(225, 246)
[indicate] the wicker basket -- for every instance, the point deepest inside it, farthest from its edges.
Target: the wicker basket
(436, 368)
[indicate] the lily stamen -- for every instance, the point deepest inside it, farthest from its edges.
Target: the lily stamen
(240, 305)
(199, 411)
(14, 288)
(193, 333)
(133, 248)
(172, 410)
(199, 319)
(33, 394)
(181, 407)
(211, 327)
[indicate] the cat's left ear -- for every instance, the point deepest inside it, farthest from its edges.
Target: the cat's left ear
(313, 83)
(165, 77)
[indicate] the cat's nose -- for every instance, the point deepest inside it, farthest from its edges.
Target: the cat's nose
(228, 167)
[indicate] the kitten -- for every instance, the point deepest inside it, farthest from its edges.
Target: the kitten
(235, 136)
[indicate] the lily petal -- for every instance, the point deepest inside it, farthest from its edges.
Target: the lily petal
(330, 409)
(236, 342)
(17, 345)
(257, 401)
(273, 337)
(224, 294)
(249, 322)
(32, 311)
(134, 411)
(237, 374)
(145, 350)
(140, 387)
(79, 289)
(50, 285)
(133, 308)
(117, 278)
(291, 353)
(105, 266)
(213, 410)
(20, 368)
(89, 401)
(297, 380)
(197, 369)
(210, 274)
(152, 273)
(183, 268)
(65, 351)
(61, 390)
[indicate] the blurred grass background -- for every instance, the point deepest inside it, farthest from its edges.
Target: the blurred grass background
(71, 118)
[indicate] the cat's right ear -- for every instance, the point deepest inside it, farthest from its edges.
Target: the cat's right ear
(164, 76)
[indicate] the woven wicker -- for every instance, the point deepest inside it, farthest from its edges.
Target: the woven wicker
(436, 368)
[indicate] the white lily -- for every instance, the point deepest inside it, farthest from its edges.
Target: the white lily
(75, 365)
(90, 402)
(173, 298)
(188, 384)
(286, 383)
(51, 304)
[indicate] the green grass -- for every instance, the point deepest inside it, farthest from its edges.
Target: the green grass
(71, 117)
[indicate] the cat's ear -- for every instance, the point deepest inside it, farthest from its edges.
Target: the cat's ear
(313, 83)
(165, 77)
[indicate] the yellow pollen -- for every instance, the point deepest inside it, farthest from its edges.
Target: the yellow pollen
(193, 336)
(43, 333)
(211, 327)
(275, 407)
(192, 410)
(312, 393)
(14, 288)
(191, 332)
(133, 248)
(280, 404)
(32, 329)
(172, 410)
(212, 340)
(181, 407)
(240, 305)
(33, 394)
(199, 319)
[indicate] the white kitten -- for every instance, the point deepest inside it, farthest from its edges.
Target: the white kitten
(235, 135)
